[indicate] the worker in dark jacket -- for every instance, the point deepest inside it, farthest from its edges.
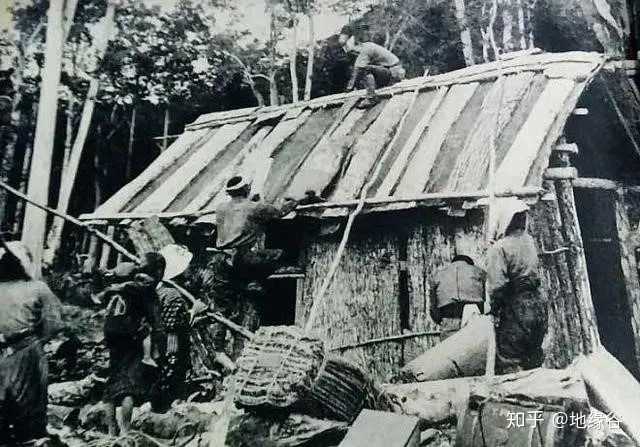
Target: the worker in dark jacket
(517, 304)
(132, 306)
(457, 286)
(30, 315)
(375, 66)
(240, 225)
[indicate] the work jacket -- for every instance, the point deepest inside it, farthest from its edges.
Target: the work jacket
(457, 283)
(29, 310)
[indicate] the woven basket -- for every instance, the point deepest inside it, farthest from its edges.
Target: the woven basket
(342, 390)
(277, 368)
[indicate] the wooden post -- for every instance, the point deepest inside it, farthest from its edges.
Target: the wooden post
(106, 249)
(576, 259)
(36, 219)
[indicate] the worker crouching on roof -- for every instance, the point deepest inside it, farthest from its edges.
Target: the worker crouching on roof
(30, 315)
(457, 290)
(514, 289)
(375, 66)
(131, 307)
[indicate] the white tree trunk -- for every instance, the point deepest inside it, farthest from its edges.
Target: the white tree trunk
(132, 132)
(165, 129)
(293, 59)
(521, 26)
(507, 27)
(71, 171)
(310, 57)
(36, 219)
(465, 32)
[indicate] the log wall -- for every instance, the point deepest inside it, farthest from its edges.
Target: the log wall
(364, 300)
(628, 221)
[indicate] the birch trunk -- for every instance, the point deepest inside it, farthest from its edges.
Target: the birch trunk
(507, 27)
(165, 129)
(70, 173)
(465, 32)
(274, 97)
(38, 189)
(293, 59)
(310, 57)
(24, 175)
(132, 131)
(68, 137)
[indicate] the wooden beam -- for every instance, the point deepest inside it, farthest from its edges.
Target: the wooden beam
(372, 203)
(570, 148)
(596, 183)
(565, 173)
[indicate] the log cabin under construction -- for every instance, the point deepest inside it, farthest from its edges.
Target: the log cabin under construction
(567, 140)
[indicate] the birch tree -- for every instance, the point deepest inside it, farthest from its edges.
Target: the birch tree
(72, 164)
(38, 188)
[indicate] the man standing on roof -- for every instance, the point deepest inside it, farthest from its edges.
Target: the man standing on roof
(457, 290)
(375, 66)
(514, 289)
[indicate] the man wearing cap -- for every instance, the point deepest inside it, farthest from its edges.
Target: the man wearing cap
(513, 282)
(375, 66)
(456, 290)
(30, 315)
(240, 225)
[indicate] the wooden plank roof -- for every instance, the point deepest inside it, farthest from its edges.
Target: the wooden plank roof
(428, 135)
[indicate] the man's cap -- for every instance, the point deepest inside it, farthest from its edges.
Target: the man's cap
(236, 183)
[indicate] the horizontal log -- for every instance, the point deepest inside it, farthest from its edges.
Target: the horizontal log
(441, 400)
(565, 173)
(419, 200)
(595, 183)
(613, 388)
(571, 148)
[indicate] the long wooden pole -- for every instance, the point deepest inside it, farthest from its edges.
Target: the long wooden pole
(527, 191)
(126, 253)
(35, 219)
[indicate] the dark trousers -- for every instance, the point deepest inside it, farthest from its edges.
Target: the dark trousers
(257, 264)
(373, 77)
(520, 332)
(23, 395)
